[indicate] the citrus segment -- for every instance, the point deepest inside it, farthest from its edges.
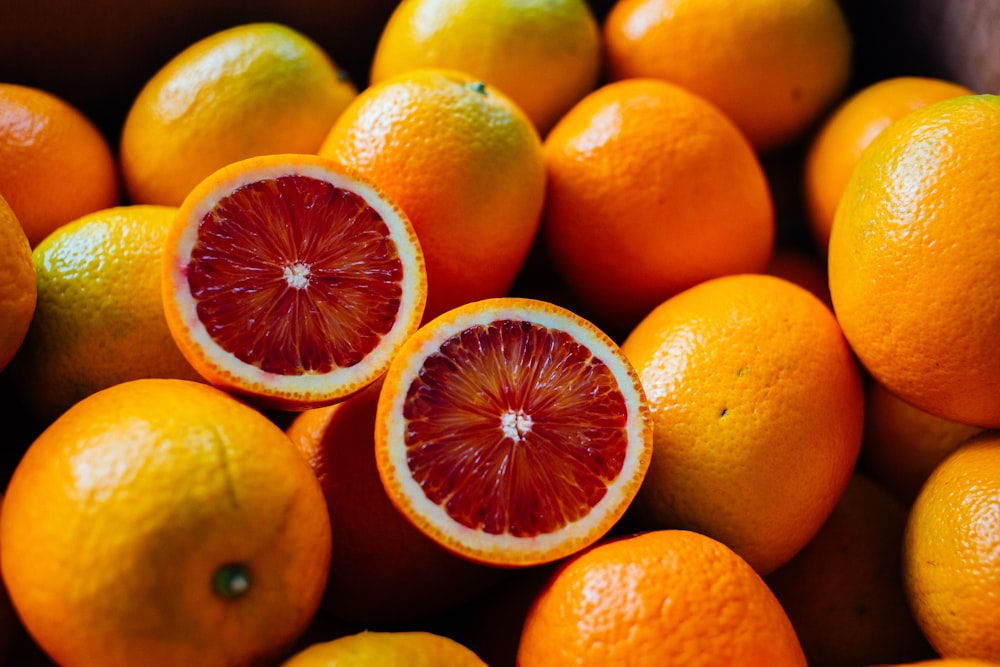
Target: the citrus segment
(291, 280)
(512, 431)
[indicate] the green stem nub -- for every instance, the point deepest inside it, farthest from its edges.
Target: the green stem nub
(477, 87)
(231, 581)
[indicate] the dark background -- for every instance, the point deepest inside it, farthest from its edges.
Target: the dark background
(97, 54)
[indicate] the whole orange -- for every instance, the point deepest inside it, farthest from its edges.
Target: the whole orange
(463, 162)
(773, 66)
(383, 571)
(54, 163)
(844, 590)
(951, 553)
(650, 190)
(911, 260)
(18, 287)
(668, 597)
(758, 411)
(846, 132)
(544, 54)
(902, 444)
(99, 316)
(163, 522)
(252, 89)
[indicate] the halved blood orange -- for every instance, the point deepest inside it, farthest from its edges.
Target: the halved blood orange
(512, 431)
(290, 280)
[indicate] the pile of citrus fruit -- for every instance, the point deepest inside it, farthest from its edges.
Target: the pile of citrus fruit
(548, 332)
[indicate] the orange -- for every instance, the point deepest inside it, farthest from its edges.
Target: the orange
(951, 553)
(253, 89)
(383, 571)
(544, 54)
(99, 316)
(55, 165)
(773, 66)
(512, 432)
(902, 444)
(162, 522)
(844, 134)
(18, 287)
(668, 597)
(291, 280)
(650, 190)
(387, 649)
(464, 163)
(911, 270)
(844, 590)
(757, 411)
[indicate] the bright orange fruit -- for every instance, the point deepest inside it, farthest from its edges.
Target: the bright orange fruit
(951, 553)
(512, 431)
(911, 260)
(650, 190)
(252, 89)
(773, 66)
(99, 317)
(291, 280)
(668, 597)
(465, 164)
(55, 165)
(849, 129)
(163, 522)
(758, 410)
(544, 54)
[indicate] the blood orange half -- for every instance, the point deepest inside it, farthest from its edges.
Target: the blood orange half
(290, 280)
(512, 431)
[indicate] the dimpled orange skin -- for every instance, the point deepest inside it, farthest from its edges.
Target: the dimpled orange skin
(773, 66)
(18, 287)
(758, 412)
(99, 316)
(660, 598)
(650, 191)
(252, 89)
(465, 165)
(951, 553)
(912, 263)
(123, 510)
(544, 54)
(55, 165)
(848, 130)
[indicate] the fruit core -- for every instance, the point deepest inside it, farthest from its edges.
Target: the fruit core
(295, 275)
(515, 428)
